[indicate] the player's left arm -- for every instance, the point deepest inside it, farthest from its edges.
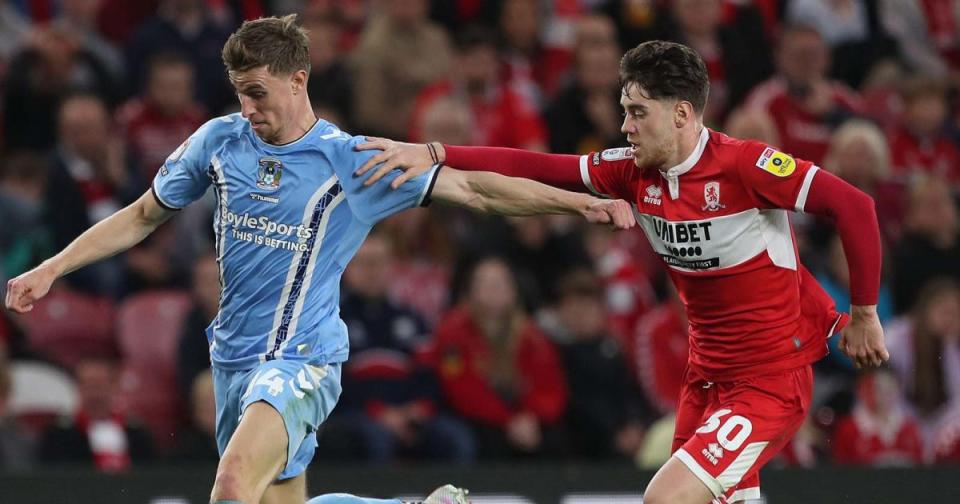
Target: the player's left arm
(777, 180)
(494, 193)
(855, 217)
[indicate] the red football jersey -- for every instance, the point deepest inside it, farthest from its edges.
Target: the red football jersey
(719, 222)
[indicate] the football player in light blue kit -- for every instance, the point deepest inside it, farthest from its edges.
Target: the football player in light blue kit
(290, 215)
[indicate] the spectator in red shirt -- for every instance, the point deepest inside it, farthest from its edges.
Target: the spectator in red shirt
(157, 122)
(859, 154)
(920, 144)
(879, 431)
(99, 434)
(498, 370)
(805, 105)
(534, 54)
(628, 282)
(661, 353)
(946, 439)
(501, 116)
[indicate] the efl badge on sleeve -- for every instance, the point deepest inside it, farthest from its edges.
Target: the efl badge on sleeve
(268, 173)
(776, 162)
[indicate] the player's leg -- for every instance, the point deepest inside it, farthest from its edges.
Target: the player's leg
(254, 457)
(284, 491)
(673, 482)
(749, 423)
(279, 405)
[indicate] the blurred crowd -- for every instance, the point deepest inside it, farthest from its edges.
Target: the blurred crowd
(472, 337)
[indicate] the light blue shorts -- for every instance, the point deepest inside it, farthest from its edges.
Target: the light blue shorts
(302, 393)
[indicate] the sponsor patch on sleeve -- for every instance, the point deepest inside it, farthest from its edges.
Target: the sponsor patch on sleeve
(776, 162)
(617, 154)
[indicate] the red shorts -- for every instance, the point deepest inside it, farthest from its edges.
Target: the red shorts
(727, 431)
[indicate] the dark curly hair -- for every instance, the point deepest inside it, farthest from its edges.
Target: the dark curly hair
(667, 70)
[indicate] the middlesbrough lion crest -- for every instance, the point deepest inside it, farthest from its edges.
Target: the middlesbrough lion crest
(711, 195)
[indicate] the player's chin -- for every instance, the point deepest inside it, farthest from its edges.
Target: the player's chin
(265, 134)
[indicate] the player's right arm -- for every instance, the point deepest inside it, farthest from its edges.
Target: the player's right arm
(557, 170)
(182, 178)
(108, 237)
(497, 194)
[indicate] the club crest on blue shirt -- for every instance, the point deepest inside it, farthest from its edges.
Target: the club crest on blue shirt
(268, 173)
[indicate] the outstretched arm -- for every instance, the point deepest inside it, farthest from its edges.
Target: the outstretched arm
(114, 234)
(855, 217)
(558, 170)
(494, 193)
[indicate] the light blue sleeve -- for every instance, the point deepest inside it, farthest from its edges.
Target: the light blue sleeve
(374, 203)
(183, 177)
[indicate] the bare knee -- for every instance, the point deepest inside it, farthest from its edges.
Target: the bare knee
(661, 495)
(232, 482)
(674, 483)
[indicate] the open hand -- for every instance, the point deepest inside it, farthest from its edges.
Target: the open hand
(413, 159)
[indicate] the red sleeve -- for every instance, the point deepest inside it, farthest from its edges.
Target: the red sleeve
(558, 170)
(610, 173)
(539, 364)
(773, 179)
(855, 217)
(777, 180)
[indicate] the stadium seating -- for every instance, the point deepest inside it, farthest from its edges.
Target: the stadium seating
(148, 327)
(68, 326)
(41, 392)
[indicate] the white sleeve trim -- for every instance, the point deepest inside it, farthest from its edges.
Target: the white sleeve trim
(699, 472)
(744, 494)
(805, 189)
(585, 175)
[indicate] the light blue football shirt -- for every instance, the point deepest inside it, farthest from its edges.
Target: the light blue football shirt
(288, 220)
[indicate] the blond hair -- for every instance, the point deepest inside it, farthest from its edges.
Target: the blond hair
(275, 42)
(859, 130)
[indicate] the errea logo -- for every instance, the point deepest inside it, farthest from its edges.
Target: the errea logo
(713, 452)
(654, 195)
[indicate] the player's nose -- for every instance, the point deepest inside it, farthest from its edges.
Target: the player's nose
(247, 107)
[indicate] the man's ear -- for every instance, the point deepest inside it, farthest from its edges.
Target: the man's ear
(298, 81)
(683, 113)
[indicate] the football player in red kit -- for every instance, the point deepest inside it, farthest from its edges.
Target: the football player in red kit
(715, 209)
